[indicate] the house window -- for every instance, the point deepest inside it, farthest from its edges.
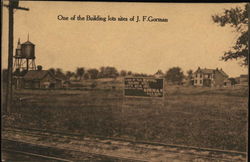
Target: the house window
(196, 75)
(208, 75)
(200, 81)
(200, 75)
(195, 81)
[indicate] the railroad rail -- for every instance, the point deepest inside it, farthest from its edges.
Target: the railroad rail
(179, 148)
(36, 155)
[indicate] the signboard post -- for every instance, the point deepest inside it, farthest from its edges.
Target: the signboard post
(149, 89)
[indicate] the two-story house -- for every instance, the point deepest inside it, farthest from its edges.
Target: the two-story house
(209, 77)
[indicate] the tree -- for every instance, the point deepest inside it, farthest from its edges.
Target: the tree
(80, 72)
(123, 73)
(129, 73)
(136, 74)
(233, 81)
(39, 67)
(93, 73)
(86, 76)
(238, 19)
(52, 70)
(108, 72)
(101, 72)
(59, 73)
(69, 74)
(190, 76)
(174, 75)
(111, 72)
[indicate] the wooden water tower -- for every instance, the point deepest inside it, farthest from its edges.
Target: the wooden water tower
(25, 56)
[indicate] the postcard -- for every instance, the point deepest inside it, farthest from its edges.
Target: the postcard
(124, 81)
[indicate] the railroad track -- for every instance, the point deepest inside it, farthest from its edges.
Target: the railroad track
(198, 151)
(41, 157)
(49, 150)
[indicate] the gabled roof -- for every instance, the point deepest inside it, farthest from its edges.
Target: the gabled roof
(211, 71)
(223, 73)
(38, 75)
(205, 71)
(159, 72)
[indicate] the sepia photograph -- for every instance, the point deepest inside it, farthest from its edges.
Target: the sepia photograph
(124, 81)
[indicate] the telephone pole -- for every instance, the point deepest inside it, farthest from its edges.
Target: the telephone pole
(13, 4)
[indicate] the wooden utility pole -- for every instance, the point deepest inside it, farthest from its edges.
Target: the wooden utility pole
(13, 4)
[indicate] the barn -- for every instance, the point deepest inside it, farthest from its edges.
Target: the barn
(41, 79)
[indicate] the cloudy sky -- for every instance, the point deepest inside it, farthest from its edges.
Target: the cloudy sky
(189, 39)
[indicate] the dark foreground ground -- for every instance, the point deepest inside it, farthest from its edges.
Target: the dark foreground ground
(58, 146)
(25, 152)
(202, 117)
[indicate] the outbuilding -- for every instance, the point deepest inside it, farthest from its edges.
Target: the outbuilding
(41, 79)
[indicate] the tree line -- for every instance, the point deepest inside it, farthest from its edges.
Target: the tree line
(82, 73)
(174, 74)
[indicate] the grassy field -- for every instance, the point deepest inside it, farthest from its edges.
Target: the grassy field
(203, 117)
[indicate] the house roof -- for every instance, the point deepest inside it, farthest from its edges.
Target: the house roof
(243, 76)
(223, 73)
(207, 71)
(38, 75)
(204, 71)
(159, 73)
(211, 71)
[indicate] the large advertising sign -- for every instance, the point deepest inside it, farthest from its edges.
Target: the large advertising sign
(144, 87)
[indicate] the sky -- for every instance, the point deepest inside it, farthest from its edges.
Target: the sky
(190, 39)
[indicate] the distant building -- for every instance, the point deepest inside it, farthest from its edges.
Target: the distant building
(243, 80)
(209, 77)
(41, 79)
(159, 74)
